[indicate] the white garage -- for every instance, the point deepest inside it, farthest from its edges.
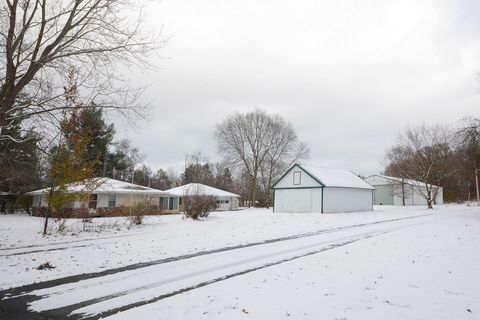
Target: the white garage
(306, 188)
(225, 200)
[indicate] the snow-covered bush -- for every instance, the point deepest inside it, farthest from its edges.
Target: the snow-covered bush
(139, 210)
(198, 206)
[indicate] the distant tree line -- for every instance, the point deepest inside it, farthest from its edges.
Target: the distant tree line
(439, 155)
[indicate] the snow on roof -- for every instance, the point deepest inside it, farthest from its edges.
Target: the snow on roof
(105, 185)
(336, 177)
(399, 180)
(200, 189)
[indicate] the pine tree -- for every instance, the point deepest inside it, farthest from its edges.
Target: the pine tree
(91, 123)
(20, 169)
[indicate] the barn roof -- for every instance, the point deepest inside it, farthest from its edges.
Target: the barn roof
(104, 185)
(399, 180)
(200, 189)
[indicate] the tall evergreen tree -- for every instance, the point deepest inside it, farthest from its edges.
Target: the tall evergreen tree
(92, 124)
(122, 160)
(161, 180)
(20, 169)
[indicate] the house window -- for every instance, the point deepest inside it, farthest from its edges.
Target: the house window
(297, 178)
(92, 203)
(172, 204)
(112, 200)
(179, 201)
(163, 203)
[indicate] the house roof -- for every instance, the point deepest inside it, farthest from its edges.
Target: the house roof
(105, 185)
(333, 177)
(200, 189)
(399, 180)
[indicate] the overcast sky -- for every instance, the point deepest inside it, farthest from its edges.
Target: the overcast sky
(349, 75)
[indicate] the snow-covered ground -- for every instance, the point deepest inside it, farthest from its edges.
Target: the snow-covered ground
(418, 264)
(109, 244)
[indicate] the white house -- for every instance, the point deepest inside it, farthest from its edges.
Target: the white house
(225, 200)
(107, 197)
(312, 189)
(389, 191)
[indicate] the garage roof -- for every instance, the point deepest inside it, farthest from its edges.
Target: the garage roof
(335, 177)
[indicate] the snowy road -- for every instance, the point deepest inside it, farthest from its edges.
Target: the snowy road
(93, 296)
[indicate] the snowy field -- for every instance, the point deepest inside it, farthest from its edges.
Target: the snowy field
(395, 263)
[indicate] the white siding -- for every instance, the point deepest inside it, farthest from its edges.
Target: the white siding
(378, 181)
(40, 201)
(413, 197)
(383, 194)
(231, 205)
(305, 180)
(439, 198)
(298, 200)
(347, 200)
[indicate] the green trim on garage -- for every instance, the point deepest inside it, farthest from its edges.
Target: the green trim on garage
(321, 210)
(288, 188)
(288, 171)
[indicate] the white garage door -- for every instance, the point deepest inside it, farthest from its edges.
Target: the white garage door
(293, 200)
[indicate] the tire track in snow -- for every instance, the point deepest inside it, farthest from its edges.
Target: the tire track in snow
(306, 234)
(18, 298)
(84, 276)
(104, 314)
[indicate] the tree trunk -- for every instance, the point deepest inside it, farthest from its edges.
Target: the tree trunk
(476, 184)
(47, 214)
(429, 199)
(254, 190)
(268, 190)
(45, 225)
(403, 191)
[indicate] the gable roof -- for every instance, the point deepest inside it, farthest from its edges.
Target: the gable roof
(399, 180)
(200, 189)
(332, 177)
(105, 185)
(337, 177)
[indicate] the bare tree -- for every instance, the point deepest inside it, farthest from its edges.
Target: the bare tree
(257, 140)
(41, 39)
(283, 152)
(173, 177)
(244, 140)
(422, 154)
(468, 142)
